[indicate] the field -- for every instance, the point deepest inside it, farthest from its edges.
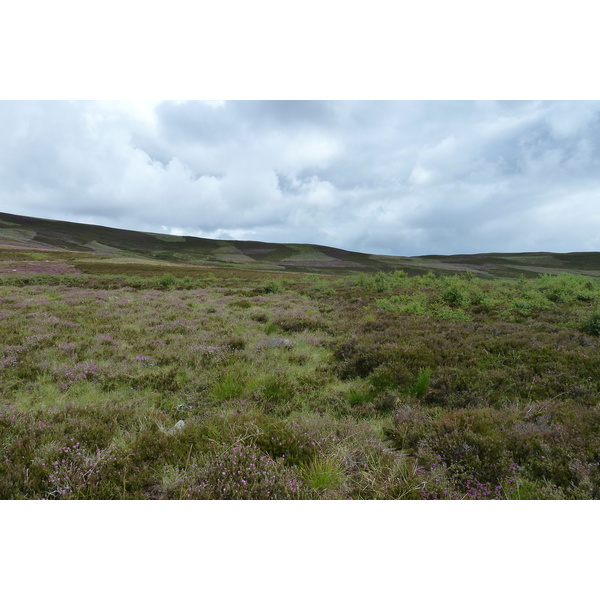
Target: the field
(141, 378)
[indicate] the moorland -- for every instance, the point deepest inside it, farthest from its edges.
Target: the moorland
(145, 366)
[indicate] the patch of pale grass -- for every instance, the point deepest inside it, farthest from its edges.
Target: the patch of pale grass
(324, 474)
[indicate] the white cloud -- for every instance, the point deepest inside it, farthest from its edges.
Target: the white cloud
(420, 176)
(570, 118)
(391, 177)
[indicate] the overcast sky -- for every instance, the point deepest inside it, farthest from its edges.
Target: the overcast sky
(404, 178)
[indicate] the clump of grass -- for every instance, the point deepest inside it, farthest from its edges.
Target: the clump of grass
(323, 474)
(358, 397)
(228, 387)
(386, 475)
(270, 328)
(421, 384)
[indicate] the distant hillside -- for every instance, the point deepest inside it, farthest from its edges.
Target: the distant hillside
(22, 237)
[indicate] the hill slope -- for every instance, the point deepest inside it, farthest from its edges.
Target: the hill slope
(92, 246)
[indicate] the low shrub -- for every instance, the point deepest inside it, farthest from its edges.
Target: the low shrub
(413, 304)
(272, 287)
(592, 324)
(455, 293)
(167, 281)
(298, 320)
(243, 472)
(235, 343)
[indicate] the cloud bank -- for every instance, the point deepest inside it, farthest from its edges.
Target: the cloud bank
(403, 178)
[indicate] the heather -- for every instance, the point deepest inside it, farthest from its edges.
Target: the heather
(222, 383)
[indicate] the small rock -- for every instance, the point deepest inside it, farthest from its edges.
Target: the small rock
(280, 343)
(177, 427)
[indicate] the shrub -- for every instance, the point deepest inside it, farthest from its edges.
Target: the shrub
(243, 472)
(299, 440)
(381, 281)
(112, 363)
(415, 304)
(408, 426)
(322, 290)
(455, 294)
(389, 376)
(235, 343)
(166, 281)
(592, 323)
(259, 317)
(567, 288)
(451, 314)
(272, 287)
(241, 303)
(297, 320)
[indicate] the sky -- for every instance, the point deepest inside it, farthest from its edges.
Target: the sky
(385, 177)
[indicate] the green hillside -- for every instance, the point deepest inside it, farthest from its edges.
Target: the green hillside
(93, 249)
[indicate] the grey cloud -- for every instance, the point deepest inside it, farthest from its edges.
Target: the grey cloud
(194, 122)
(383, 177)
(286, 114)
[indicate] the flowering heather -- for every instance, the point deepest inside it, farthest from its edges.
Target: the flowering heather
(243, 473)
(36, 339)
(147, 386)
(38, 267)
(66, 376)
(437, 485)
(9, 361)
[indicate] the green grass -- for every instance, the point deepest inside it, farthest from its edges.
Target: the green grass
(323, 474)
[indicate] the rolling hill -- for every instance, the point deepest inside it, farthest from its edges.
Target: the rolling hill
(94, 248)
